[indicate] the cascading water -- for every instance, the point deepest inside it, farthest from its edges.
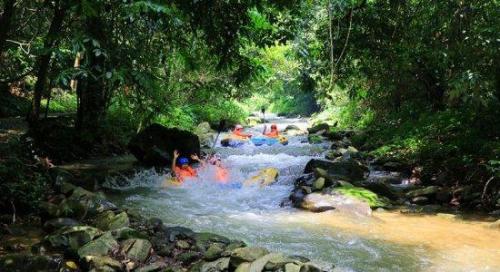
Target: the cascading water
(254, 214)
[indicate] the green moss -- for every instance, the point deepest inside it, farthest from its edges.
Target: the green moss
(364, 195)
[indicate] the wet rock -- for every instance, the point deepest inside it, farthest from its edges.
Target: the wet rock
(349, 170)
(205, 133)
(136, 249)
(420, 200)
(27, 262)
(127, 233)
(297, 197)
(102, 263)
(217, 265)
(309, 268)
(246, 254)
(301, 259)
(333, 154)
(71, 238)
(109, 221)
(175, 233)
(318, 128)
(429, 191)
(155, 144)
(270, 262)
(315, 139)
(154, 223)
(98, 247)
(265, 177)
(291, 267)
(243, 267)
(380, 188)
(213, 252)
(317, 202)
(188, 257)
(57, 223)
(293, 130)
(319, 184)
(182, 244)
(395, 166)
(205, 239)
(154, 267)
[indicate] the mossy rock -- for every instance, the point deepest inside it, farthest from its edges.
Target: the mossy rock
(364, 195)
(315, 139)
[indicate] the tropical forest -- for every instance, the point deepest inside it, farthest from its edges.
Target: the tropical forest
(249, 135)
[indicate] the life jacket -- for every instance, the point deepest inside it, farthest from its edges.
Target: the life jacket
(182, 173)
(221, 175)
(240, 134)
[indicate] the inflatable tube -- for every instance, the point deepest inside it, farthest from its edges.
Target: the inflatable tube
(258, 141)
(233, 142)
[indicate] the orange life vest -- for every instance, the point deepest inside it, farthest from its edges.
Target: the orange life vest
(187, 172)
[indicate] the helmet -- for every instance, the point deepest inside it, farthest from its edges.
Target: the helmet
(238, 127)
(182, 160)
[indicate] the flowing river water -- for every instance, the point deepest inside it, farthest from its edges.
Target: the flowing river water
(385, 241)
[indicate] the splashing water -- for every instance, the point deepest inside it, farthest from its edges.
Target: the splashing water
(383, 242)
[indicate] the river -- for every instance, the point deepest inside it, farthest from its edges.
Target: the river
(385, 241)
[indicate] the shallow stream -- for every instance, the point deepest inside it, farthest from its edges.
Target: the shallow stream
(385, 241)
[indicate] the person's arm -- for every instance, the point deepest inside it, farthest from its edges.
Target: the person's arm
(195, 157)
(175, 156)
(264, 131)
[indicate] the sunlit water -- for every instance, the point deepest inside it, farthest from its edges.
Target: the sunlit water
(383, 242)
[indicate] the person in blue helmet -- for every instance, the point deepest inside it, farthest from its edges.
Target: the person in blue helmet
(181, 168)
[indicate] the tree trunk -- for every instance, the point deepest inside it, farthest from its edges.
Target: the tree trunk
(5, 22)
(93, 97)
(44, 61)
(74, 82)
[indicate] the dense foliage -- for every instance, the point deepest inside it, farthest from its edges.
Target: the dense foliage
(419, 77)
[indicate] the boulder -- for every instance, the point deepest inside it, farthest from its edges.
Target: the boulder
(71, 238)
(243, 267)
(349, 170)
(318, 128)
(291, 267)
(333, 154)
(127, 233)
(319, 184)
(57, 223)
(429, 191)
(98, 247)
(266, 176)
(188, 257)
(109, 221)
(293, 130)
(317, 202)
(154, 145)
(102, 264)
(204, 240)
(381, 188)
(247, 254)
(309, 268)
(136, 249)
(271, 262)
(217, 265)
(154, 267)
(315, 139)
(213, 252)
(206, 134)
(364, 195)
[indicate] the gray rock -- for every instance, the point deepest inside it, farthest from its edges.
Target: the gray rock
(213, 252)
(243, 267)
(318, 128)
(319, 184)
(217, 265)
(98, 247)
(291, 267)
(188, 257)
(349, 170)
(71, 238)
(429, 191)
(127, 233)
(309, 268)
(247, 254)
(102, 263)
(182, 244)
(136, 249)
(109, 221)
(154, 267)
(420, 200)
